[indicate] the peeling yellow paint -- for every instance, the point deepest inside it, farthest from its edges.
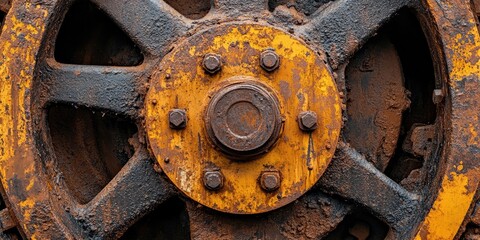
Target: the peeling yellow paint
(464, 49)
(458, 187)
(449, 209)
(310, 87)
(19, 45)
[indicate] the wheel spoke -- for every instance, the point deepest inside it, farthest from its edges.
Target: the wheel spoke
(135, 191)
(241, 7)
(346, 25)
(152, 24)
(351, 176)
(280, 224)
(110, 88)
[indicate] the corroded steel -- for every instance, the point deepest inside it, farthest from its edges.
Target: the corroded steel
(269, 60)
(26, 184)
(212, 63)
(307, 121)
(32, 212)
(177, 118)
(6, 220)
(213, 180)
(460, 44)
(5, 5)
(241, 109)
(45, 210)
(376, 100)
(270, 180)
(243, 120)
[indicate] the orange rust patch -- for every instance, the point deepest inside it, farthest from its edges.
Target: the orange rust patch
(300, 157)
(459, 184)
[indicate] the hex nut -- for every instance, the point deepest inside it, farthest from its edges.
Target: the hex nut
(438, 96)
(213, 180)
(308, 121)
(270, 181)
(212, 63)
(177, 119)
(269, 60)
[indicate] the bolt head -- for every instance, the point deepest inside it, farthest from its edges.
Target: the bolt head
(269, 60)
(270, 181)
(438, 96)
(212, 63)
(307, 121)
(213, 180)
(177, 119)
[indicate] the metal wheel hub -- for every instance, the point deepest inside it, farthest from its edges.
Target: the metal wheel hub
(259, 94)
(243, 120)
(58, 182)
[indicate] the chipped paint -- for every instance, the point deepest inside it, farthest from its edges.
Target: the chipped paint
(458, 186)
(20, 41)
(449, 209)
(301, 70)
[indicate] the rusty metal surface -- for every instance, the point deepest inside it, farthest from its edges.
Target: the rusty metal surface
(311, 217)
(243, 120)
(460, 45)
(243, 112)
(350, 175)
(6, 220)
(64, 218)
(376, 99)
(151, 24)
(340, 33)
(32, 80)
(5, 5)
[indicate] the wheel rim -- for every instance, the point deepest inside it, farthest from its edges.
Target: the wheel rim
(43, 216)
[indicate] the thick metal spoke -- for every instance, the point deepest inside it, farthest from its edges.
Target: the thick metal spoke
(351, 176)
(235, 7)
(135, 191)
(110, 88)
(345, 25)
(323, 212)
(152, 24)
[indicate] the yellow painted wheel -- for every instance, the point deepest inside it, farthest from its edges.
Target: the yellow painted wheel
(239, 119)
(242, 122)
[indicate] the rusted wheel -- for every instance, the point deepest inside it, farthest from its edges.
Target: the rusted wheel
(254, 119)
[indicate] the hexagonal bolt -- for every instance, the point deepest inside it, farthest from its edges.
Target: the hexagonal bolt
(307, 121)
(212, 63)
(437, 96)
(177, 119)
(270, 181)
(269, 60)
(213, 180)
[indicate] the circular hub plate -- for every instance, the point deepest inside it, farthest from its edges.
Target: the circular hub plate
(243, 112)
(243, 120)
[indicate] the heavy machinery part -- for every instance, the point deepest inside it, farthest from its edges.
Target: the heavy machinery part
(32, 80)
(242, 121)
(460, 182)
(375, 87)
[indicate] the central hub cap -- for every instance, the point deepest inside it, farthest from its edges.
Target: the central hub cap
(240, 92)
(243, 120)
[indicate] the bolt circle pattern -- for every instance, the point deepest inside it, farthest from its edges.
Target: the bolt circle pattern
(458, 36)
(301, 83)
